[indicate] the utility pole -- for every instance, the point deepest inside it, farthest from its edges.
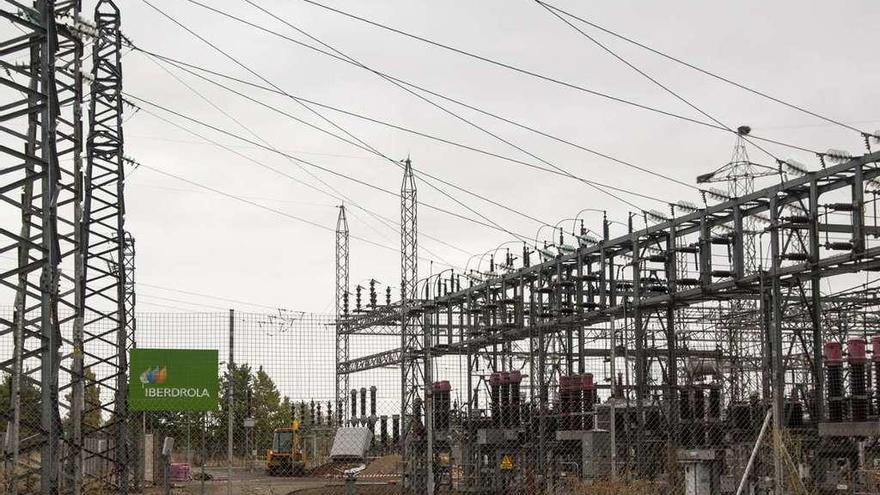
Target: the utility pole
(230, 399)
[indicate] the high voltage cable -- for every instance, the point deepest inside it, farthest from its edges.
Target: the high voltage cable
(268, 167)
(444, 109)
(499, 63)
(531, 73)
(292, 178)
(319, 167)
(339, 196)
(152, 296)
(510, 121)
(368, 147)
(167, 306)
(273, 169)
(420, 88)
(649, 77)
(243, 146)
(260, 198)
(208, 296)
(709, 73)
(186, 67)
(273, 210)
(308, 203)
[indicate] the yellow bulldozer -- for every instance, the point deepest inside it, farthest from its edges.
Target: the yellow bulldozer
(286, 457)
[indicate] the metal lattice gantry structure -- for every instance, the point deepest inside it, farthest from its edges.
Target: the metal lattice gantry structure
(411, 339)
(104, 297)
(69, 269)
(342, 337)
(70, 278)
(135, 429)
(130, 299)
(739, 175)
(30, 182)
(660, 302)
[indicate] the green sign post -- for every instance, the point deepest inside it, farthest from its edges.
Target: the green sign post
(172, 380)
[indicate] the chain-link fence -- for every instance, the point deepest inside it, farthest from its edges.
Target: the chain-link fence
(276, 426)
(262, 419)
(506, 420)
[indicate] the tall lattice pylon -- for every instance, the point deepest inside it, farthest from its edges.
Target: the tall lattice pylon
(104, 311)
(342, 338)
(71, 281)
(410, 334)
(36, 189)
(739, 175)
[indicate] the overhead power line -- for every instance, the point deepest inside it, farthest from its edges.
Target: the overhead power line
(273, 210)
(333, 172)
(535, 74)
(242, 146)
(209, 296)
(311, 164)
(479, 110)
(727, 80)
(498, 63)
(227, 133)
(166, 306)
(417, 87)
(171, 299)
(356, 205)
(446, 110)
(338, 195)
(647, 76)
(192, 68)
(411, 85)
(322, 117)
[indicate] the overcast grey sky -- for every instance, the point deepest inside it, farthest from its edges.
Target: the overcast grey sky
(817, 54)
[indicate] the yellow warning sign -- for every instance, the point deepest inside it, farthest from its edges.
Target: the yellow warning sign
(506, 463)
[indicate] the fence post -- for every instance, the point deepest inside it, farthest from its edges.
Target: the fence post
(229, 399)
(204, 450)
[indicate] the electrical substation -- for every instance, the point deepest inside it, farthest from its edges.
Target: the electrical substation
(596, 359)
(726, 344)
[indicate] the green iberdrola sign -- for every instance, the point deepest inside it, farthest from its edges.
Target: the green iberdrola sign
(172, 380)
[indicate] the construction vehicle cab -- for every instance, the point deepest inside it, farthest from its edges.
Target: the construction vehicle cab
(286, 457)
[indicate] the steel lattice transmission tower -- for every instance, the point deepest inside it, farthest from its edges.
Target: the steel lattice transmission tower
(342, 337)
(410, 332)
(40, 161)
(68, 234)
(103, 235)
(739, 174)
(71, 277)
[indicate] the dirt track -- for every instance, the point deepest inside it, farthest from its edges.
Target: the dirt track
(379, 478)
(362, 489)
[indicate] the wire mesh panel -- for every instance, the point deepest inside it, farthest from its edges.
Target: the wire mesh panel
(276, 424)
